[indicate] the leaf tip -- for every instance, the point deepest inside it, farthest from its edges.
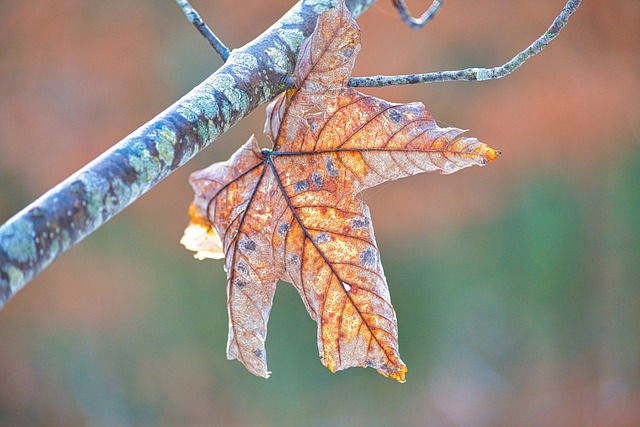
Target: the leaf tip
(400, 375)
(481, 151)
(397, 370)
(492, 154)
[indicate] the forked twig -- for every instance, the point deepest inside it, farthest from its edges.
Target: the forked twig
(475, 74)
(417, 23)
(194, 17)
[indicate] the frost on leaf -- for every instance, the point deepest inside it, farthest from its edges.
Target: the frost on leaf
(291, 213)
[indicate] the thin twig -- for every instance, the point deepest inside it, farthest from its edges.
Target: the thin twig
(475, 74)
(194, 17)
(417, 23)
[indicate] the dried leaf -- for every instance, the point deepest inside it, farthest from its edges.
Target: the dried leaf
(291, 213)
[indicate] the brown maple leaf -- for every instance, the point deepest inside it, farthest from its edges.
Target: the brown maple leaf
(291, 213)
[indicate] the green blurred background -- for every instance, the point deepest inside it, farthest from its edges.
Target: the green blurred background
(516, 286)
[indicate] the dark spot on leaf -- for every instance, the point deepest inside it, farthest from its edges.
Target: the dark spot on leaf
(360, 222)
(240, 283)
(242, 267)
(322, 237)
(258, 353)
(300, 186)
(248, 245)
(317, 179)
(293, 259)
(313, 123)
(283, 227)
(332, 169)
(395, 116)
(347, 52)
(368, 257)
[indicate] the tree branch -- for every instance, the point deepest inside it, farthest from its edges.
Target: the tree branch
(59, 219)
(475, 74)
(417, 23)
(194, 17)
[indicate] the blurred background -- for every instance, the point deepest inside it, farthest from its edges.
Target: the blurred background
(516, 286)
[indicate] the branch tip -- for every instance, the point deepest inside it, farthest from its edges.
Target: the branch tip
(194, 17)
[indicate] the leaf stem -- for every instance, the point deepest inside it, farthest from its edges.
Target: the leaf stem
(417, 23)
(475, 74)
(194, 17)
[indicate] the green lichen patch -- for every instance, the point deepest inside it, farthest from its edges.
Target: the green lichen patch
(204, 128)
(18, 241)
(94, 188)
(279, 59)
(226, 84)
(200, 105)
(16, 278)
(358, 7)
(94, 203)
(119, 195)
(293, 38)
(295, 19)
(319, 6)
(243, 63)
(65, 239)
(165, 140)
(54, 251)
(185, 111)
(147, 167)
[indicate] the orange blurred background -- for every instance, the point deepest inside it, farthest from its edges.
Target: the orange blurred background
(517, 285)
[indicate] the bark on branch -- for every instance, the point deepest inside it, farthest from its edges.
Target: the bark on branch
(251, 76)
